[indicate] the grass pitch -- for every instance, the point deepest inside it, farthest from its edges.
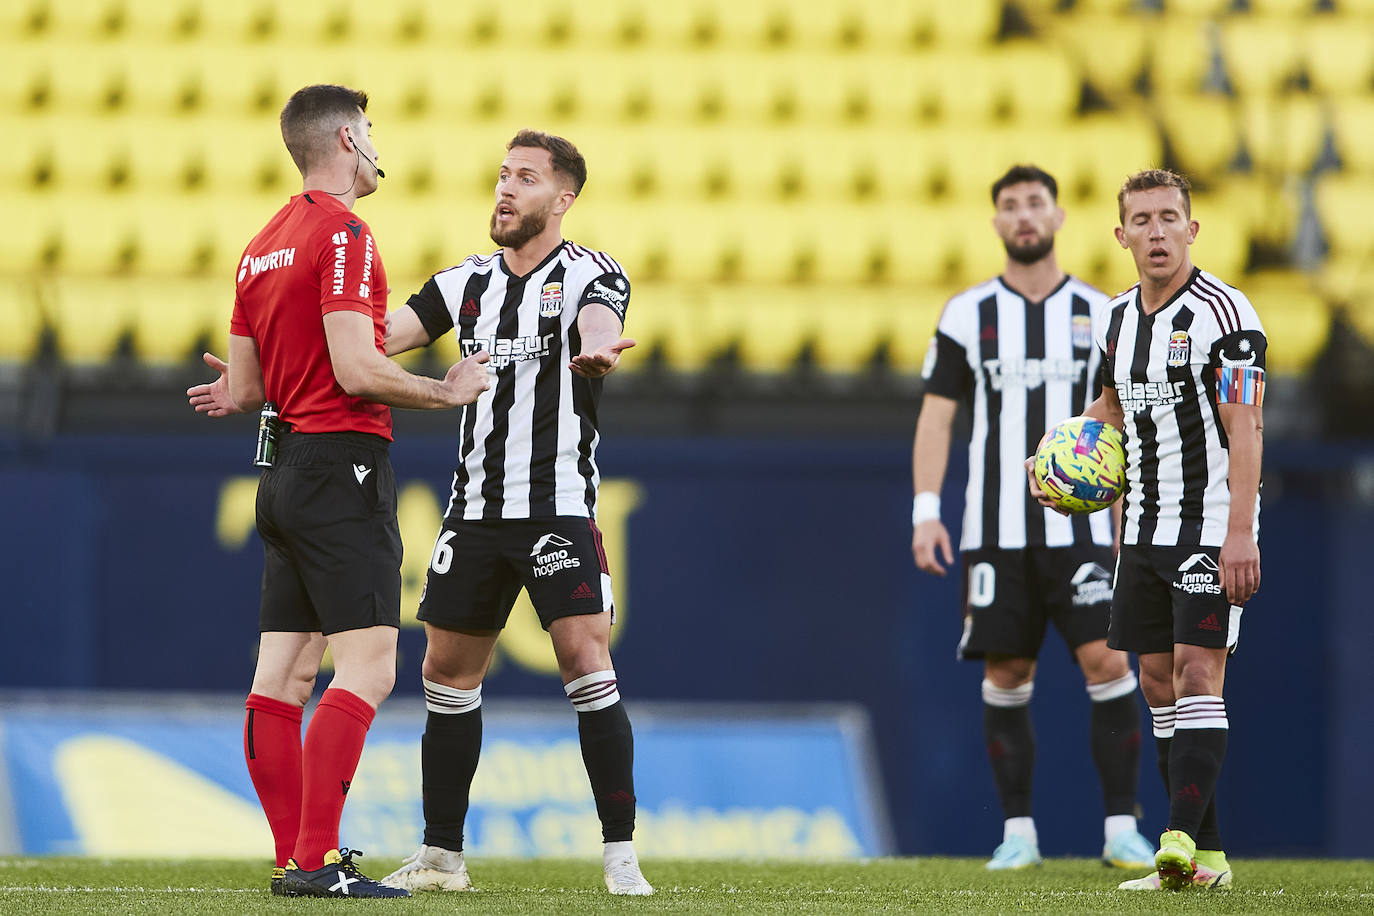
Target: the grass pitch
(932, 885)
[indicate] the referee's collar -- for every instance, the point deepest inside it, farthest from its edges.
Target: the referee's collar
(557, 250)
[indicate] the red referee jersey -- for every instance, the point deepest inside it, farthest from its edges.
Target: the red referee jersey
(312, 258)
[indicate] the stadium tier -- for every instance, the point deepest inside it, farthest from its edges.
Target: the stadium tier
(764, 171)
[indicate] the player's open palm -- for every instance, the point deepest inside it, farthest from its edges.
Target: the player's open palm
(928, 538)
(213, 397)
(1240, 567)
(602, 361)
(469, 377)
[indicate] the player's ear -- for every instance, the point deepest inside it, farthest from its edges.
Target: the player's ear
(1121, 237)
(1192, 231)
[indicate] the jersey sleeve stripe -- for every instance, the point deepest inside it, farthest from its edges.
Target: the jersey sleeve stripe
(1222, 317)
(1220, 295)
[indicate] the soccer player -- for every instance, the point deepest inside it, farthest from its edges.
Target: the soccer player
(307, 334)
(523, 508)
(1019, 347)
(1183, 374)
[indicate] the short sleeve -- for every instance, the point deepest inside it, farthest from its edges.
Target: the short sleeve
(429, 306)
(238, 322)
(611, 289)
(946, 370)
(344, 260)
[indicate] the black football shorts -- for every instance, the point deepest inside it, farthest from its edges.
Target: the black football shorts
(331, 545)
(478, 568)
(1011, 597)
(1168, 595)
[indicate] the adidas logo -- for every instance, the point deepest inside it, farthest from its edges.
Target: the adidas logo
(469, 309)
(1210, 622)
(582, 591)
(619, 797)
(1189, 793)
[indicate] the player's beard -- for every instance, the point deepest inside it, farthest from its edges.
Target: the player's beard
(1029, 254)
(524, 228)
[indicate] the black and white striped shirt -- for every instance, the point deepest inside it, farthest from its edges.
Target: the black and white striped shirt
(528, 446)
(1164, 369)
(1026, 366)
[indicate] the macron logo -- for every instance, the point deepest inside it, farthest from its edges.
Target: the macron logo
(361, 472)
(1198, 559)
(549, 539)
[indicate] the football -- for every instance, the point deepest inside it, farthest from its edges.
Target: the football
(1081, 464)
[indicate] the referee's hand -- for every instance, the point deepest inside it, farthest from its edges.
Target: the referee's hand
(213, 397)
(468, 378)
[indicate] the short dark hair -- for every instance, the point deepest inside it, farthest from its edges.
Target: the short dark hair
(566, 158)
(1021, 173)
(312, 115)
(1149, 179)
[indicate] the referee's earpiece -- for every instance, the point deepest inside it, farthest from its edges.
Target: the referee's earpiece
(353, 143)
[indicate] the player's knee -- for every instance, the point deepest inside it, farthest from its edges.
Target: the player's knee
(1009, 673)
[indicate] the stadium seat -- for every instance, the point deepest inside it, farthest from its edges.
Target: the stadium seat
(90, 315)
(1338, 56)
(774, 323)
(21, 316)
(1295, 318)
(1110, 50)
(1260, 53)
(1203, 130)
(171, 315)
(1343, 205)
(850, 331)
(1353, 124)
(913, 319)
(1182, 52)
(1285, 134)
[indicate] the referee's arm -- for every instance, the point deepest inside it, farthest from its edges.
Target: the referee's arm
(363, 372)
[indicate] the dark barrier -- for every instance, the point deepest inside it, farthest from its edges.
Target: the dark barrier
(755, 571)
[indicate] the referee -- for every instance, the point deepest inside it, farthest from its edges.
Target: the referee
(307, 335)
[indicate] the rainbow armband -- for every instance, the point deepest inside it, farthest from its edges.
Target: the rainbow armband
(1240, 385)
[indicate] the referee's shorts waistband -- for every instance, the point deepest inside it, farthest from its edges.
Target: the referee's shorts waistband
(300, 448)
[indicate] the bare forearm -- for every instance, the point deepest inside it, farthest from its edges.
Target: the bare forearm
(1107, 409)
(1245, 451)
(383, 381)
(930, 452)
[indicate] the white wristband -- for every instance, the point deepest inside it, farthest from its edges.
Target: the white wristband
(925, 508)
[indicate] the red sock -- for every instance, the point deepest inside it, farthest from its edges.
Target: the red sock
(272, 748)
(333, 744)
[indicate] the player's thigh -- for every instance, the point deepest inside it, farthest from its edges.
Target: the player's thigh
(1000, 619)
(1202, 614)
(1075, 586)
(344, 542)
(562, 563)
(1142, 608)
(582, 644)
(470, 585)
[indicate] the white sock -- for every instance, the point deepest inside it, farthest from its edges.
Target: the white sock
(1023, 827)
(614, 852)
(1117, 824)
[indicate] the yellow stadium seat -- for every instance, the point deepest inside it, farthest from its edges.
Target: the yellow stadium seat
(1038, 84)
(1223, 241)
(171, 314)
(1337, 55)
(773, 323)
(851, 327)
(1110, 50)
(1196, 9)
(1261, 53)
(1285, 134)
(1344, 204)
(1296, 319)
(1203, 129)
(912, 325)
(1181, 53)
(91, 314)
(694, 320)
(21, 316)
(970, 23)
(1354, 129)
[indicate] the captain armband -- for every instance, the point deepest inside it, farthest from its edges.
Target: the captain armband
(1240, 385)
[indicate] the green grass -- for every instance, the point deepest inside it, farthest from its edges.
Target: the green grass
(32, 886)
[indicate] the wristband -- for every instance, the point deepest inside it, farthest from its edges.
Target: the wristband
(925, 508)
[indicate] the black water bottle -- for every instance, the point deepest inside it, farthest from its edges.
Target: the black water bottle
(267, 436)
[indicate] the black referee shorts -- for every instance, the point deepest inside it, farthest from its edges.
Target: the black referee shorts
(332, 548)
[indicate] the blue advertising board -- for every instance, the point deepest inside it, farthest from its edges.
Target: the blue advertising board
(164, 777)
(746, 571)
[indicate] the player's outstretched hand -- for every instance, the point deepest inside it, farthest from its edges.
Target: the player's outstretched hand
(1239, 562)
(600, 362)
(1037, 493)
(468, 378)
(213, 397)
(925, 541)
